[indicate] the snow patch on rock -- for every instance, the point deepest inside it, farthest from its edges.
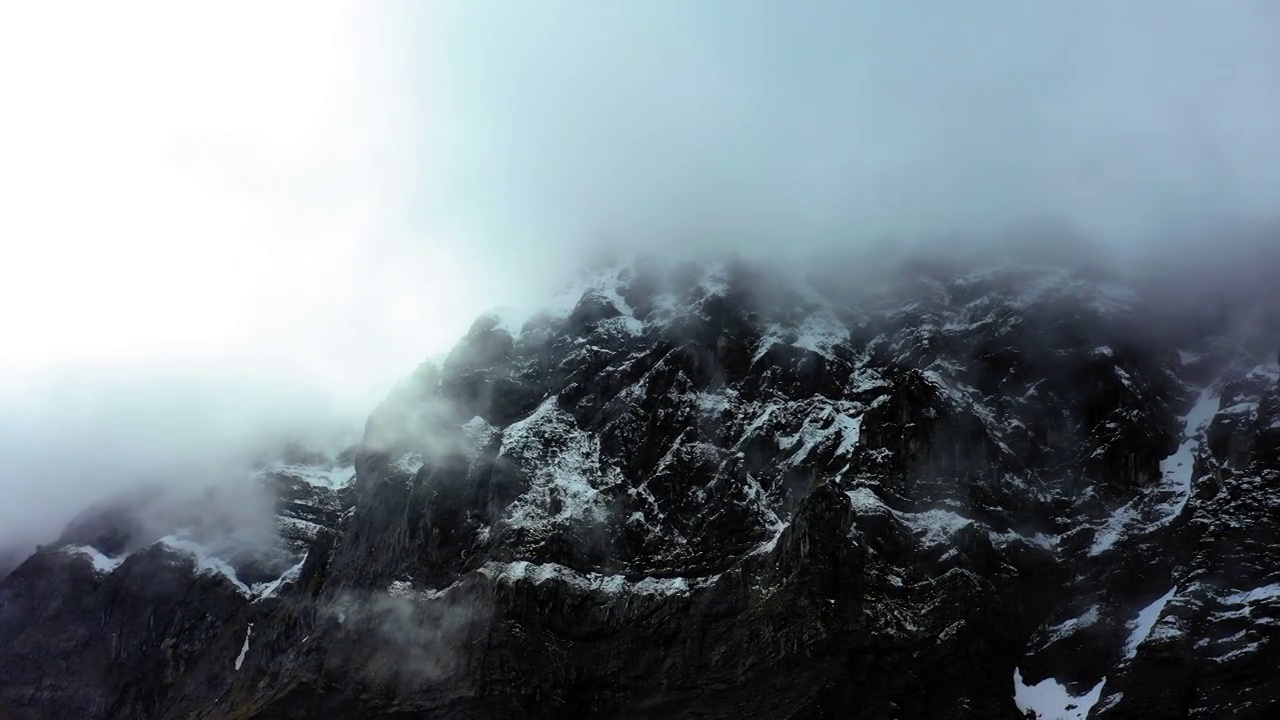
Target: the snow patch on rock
(866, 501)
(207, 562)
(409, 463)
(1050, 700)
(102, 564)
(507, 319)
(1143, 624)
(933, 527)
(305, 528)
(522, 571)
(566, 472)
(477, 433)
(1087, 619)
(330, 478)
(821, 332)
(405, 589)
(758, 499)
(1248, 597)
(1266, 371)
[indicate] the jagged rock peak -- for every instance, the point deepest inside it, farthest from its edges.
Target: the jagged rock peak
(901, 489)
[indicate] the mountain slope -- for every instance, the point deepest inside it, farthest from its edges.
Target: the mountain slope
(707, 490)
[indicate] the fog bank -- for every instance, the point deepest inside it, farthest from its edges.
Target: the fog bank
(231, 223)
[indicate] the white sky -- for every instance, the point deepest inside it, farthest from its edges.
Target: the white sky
(296, 202)
(210, 183)
(202, 236)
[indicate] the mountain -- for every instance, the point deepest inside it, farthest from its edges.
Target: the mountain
(936, 489)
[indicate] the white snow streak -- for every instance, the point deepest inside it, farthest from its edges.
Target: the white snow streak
(1175, 479)
(937, 526)
(1249, 597)
(1176, 469)
(244, 649)
(269, 589)
(205, 562)
(1145, 621)
(604, 285)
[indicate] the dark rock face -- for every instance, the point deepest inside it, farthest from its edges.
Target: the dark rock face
(703, 492)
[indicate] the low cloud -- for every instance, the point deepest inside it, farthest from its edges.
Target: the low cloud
(76, 438)
(229, 231)
(406, 637)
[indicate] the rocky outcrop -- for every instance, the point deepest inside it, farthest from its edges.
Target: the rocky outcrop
(705, 492)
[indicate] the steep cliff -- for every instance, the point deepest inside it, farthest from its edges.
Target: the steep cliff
(708, 491)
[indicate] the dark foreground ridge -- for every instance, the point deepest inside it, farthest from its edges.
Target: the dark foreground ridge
(704, 492)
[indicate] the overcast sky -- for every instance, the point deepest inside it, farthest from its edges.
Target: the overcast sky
(294, 203)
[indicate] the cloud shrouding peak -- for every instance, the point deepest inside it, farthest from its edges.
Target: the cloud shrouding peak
(254, 214)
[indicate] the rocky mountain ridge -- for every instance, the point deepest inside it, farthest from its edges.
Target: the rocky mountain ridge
(697, 490)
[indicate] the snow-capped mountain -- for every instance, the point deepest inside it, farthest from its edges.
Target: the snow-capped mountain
(712, 490)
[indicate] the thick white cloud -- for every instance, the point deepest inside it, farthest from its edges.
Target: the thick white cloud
(211, 183)
(782, 123)
(257, 214)
(203, 236)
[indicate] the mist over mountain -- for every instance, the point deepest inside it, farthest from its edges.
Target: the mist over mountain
(974, 482)
(475, 360)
